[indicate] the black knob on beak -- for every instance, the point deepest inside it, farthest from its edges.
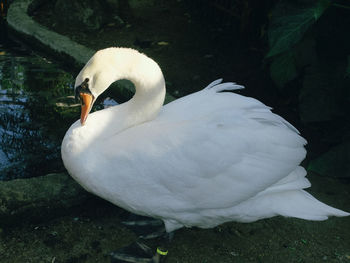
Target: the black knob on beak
(82, 88)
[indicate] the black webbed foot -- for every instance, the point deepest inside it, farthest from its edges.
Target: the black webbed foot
(138, 252)
(145, 227)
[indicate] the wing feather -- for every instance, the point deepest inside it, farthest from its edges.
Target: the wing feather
(205, 151)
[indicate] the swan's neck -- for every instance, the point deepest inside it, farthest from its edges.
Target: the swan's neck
(147, 100)
(146, 103)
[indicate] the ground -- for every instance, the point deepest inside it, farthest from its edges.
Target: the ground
(92, 232)
(190, 59)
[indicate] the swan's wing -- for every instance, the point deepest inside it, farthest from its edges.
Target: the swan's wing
(208, 150)
(213, 98)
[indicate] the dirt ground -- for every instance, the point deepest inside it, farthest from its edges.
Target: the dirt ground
(92, 232)
(190, 59)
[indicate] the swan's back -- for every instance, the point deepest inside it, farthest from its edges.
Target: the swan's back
(213, 100)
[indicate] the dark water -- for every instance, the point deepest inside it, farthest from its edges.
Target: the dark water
(36, 107)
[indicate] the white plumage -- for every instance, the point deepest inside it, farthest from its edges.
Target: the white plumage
(201, 160)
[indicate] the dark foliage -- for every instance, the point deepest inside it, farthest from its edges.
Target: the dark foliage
(309, 56)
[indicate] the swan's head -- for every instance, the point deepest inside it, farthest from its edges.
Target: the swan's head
(96, 76)
(112, 64)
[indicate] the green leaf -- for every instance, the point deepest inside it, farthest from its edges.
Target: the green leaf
(283, 69)
(335, 162)
(289, 22)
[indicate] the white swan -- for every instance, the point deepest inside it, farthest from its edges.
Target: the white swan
(202, 160)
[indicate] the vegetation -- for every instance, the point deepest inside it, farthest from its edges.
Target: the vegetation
(308, 57)
(306, 53)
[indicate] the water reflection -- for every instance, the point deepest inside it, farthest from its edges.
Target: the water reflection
(36, 107)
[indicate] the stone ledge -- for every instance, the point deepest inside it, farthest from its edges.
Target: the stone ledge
(61, 46)
(22, 23)
(39, 198)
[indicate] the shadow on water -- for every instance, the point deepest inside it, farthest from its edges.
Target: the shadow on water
(36, 108)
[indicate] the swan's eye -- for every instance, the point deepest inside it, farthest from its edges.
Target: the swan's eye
(82, 88)
(84, 85)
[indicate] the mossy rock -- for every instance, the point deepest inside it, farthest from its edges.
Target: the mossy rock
(39, 198)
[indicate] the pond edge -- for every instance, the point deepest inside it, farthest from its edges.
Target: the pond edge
(41, 198)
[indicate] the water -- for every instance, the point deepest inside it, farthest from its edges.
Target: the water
(37, 106)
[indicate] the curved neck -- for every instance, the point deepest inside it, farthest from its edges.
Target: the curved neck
(149, 95)
(108, 66)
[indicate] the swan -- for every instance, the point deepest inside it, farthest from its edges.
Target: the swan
(199, 161)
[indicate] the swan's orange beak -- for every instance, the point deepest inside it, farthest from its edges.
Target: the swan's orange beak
(86, 105)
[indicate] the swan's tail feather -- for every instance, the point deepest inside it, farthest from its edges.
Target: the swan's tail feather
(294, 203)
(217, 86)
(303, 205)
(286, 198)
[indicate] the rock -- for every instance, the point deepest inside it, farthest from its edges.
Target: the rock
(39, 198)
(88, 15)
(31, 32)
